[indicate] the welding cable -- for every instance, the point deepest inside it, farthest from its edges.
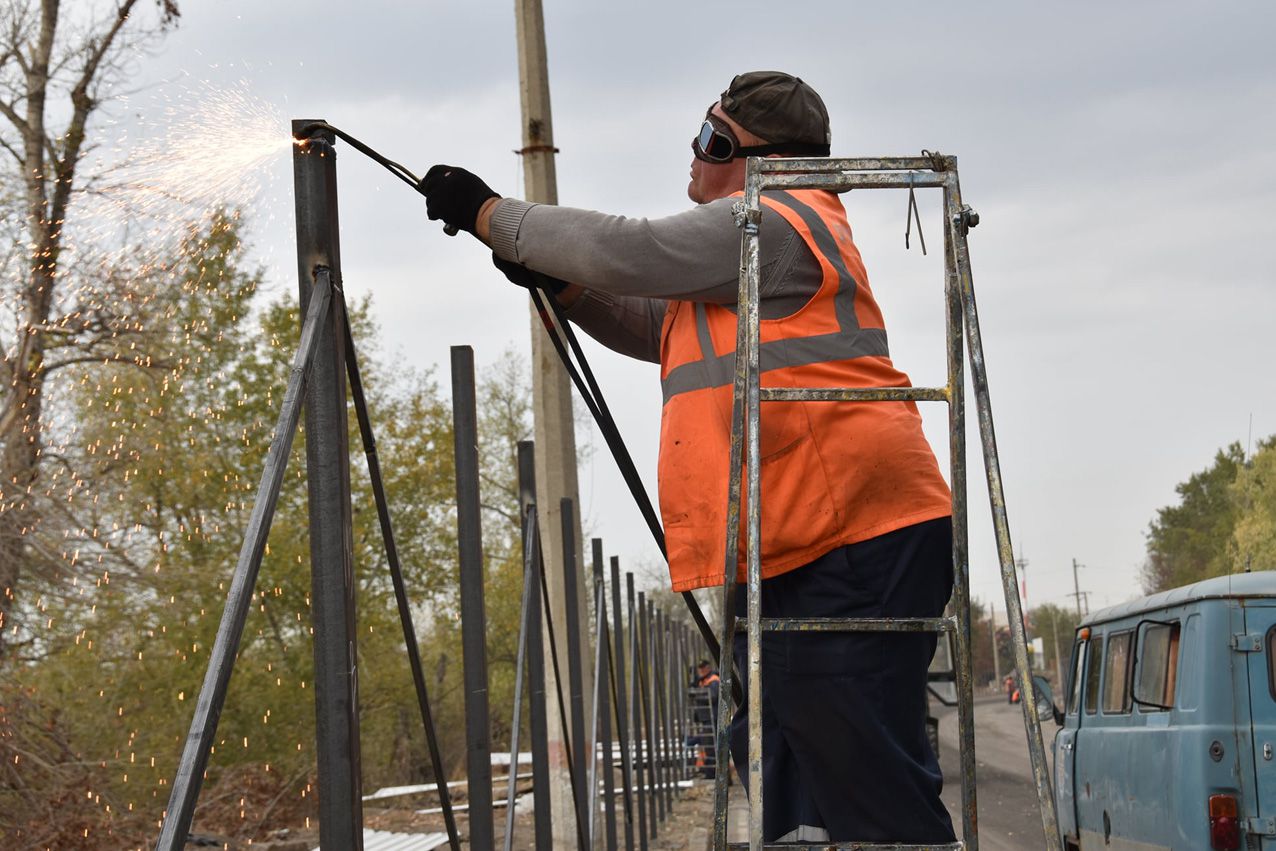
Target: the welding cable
(593, 396)
(588, 387)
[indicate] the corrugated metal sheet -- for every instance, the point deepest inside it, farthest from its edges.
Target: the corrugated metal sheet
(384, 840)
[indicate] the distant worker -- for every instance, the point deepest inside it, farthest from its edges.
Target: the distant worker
(704, 718)
(856, 517)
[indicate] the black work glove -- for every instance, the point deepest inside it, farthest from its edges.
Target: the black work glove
(526, 278)
(454, 195)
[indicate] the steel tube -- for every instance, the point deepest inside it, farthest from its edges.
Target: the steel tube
(478, 748)
(1001, 525)
(623, 731)
(602, 697)
(961, 537)
(212, 694)
(841, 182)
(827, 165)
(853, 394)
(642, 662)
(753, 533)
(524, 625)
(400, 589)
(538, 721)
(636, 714)
(332, 608)
(576, 697)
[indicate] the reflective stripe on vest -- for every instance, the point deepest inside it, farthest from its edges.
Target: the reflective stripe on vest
(849, 341)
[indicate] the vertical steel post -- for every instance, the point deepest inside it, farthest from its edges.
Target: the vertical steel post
(576, 697)
(753, 530)
(623, 730)
(635, 714)
(642, 662)
(328, 481)
(961, 547)
(541, 778)
(478, 751)
(602, 704)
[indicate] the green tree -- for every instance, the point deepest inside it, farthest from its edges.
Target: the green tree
(158, 477)
(54, 77)
(1254, 495)
(1191, 540)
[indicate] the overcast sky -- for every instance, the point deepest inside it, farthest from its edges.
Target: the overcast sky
(1119, 154)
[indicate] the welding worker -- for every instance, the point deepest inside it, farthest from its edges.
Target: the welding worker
(856, 517)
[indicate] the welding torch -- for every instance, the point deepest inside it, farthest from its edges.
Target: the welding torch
(306, 135)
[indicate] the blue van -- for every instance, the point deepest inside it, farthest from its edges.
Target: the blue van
(1169, 723)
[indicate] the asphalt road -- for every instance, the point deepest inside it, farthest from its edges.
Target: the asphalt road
(1009, 818)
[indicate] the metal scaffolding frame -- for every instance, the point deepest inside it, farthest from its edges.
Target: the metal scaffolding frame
(934, 171)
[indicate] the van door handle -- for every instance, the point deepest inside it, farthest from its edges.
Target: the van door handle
(1067, 746)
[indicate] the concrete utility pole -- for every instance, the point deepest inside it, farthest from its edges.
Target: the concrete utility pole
(555, 434)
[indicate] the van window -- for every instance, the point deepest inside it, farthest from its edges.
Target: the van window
(1271, 661)
(1116, 673)
(1074, 690)
(1158, 664)
(1093, 665)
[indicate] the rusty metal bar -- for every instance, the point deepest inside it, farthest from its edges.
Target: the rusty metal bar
(1001, 524)
(642, 662)
(575, 694)
(842, 182)
(826, 165)
(531, 544)
(853, 394)
(749, 312)
(212, 694)
(961, 542)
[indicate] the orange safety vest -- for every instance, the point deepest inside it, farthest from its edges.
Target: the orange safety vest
(833, 473)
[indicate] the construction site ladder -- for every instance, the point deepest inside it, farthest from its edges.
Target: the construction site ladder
(933, 171)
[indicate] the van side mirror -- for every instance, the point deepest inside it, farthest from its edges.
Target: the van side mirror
(1044, 697)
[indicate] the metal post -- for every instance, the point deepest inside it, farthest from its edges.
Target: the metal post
(541, 778)
(602, 702)
(642, 662)
(571, 626)
(961, 546)
(328, 481)
(1001, 523)
(478, 752)
(212, 695)
(623, 731)
(635, 713)
(1076, 586)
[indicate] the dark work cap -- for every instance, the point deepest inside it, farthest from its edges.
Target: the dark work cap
(780, 108)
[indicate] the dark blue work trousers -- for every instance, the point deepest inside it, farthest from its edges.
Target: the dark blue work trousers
(843, 714)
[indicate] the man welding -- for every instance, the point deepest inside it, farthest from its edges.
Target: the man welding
(856, 517)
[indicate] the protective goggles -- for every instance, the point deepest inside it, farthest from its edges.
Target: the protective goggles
(715, 143)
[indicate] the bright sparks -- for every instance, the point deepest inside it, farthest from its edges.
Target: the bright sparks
(209, 150)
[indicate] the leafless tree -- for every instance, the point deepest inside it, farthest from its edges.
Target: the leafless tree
(57, 68)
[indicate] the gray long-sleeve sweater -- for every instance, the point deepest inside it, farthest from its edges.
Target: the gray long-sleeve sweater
(630, 267)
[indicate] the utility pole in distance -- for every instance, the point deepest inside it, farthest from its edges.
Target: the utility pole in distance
(554, 430)
(1076, 585)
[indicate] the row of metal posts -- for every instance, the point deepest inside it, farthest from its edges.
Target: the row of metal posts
(628, 760)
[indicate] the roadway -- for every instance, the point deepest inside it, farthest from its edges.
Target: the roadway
(1009, 818)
